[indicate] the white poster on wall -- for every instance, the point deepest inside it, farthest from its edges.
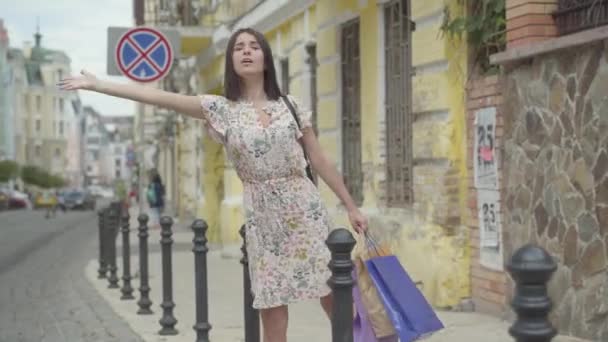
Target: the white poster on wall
(490, 228)
(484, 152)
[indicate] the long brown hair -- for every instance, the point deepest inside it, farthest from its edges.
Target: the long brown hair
(232, 81)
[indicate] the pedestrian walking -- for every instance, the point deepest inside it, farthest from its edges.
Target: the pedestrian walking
(267, 136)
(155, 194)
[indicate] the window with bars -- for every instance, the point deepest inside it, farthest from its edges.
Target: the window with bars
(351, 109)
(311, 51)
(285, 75)
(311, 60)
(397, 34)
(138, 12)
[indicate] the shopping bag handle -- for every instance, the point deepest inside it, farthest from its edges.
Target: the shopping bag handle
(371, 243)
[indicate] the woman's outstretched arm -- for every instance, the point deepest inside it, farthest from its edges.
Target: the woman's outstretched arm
(185, 104)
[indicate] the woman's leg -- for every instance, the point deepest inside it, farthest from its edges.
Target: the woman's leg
(274, 321)
(327, 303)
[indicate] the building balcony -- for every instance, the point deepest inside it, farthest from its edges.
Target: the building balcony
(578, 15)
(195, 20)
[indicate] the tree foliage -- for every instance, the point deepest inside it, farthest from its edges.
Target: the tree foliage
(8, 170)
(484, 25)
(34, 175)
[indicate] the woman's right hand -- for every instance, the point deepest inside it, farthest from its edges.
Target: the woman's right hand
(87, 81)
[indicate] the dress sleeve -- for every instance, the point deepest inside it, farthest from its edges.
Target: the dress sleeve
(215, 110)
(304, 115)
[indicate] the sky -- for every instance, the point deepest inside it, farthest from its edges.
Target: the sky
(77, 27)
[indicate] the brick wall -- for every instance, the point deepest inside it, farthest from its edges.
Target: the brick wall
(489, 287)
(530, 21)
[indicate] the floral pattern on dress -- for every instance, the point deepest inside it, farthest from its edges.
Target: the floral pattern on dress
(287, 222)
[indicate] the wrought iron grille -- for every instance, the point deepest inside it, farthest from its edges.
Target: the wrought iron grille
(397, 36)
(578, 15)
(138, 12)
(285, 75)
(311, 51)
(351, 110)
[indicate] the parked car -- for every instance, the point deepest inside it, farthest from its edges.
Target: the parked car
(45, 199)
(79, 199)
(61, 200)
(18, 200)
(100, 192)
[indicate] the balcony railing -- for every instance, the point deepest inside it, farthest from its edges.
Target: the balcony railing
(208, 13)
(578, 15)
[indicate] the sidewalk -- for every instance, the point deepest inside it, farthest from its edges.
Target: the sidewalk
(307, 322)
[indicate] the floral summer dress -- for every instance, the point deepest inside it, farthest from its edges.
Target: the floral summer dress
(286, 221)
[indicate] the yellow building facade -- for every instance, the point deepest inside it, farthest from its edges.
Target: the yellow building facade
(388, 95)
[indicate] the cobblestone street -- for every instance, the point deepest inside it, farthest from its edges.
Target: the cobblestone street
(44, 296)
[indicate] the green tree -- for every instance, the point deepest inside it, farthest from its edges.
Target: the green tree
(56, 181)
(34, 175)
(120, 189)
(8, 170)
(484, 24)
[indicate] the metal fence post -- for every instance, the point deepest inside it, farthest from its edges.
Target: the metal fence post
(531, 268)
(112, 221)
(341, 243)
(144, 301)
(167, 321)
(252, 317)
(200, 250)
(127, 290)
(101, 272)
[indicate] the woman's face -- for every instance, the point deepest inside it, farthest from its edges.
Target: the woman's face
(247, 56)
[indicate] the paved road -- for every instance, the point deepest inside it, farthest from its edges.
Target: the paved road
(44, 296)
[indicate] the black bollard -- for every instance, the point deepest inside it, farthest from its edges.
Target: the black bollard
(101, 272)
(144, 301)
(531, 267)
(341, 243)
(127, 290)
(200, 250)
(113, 222)
(252, 317)
(167, 321)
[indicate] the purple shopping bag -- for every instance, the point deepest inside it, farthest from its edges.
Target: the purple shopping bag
(412, 316)
(362, 328)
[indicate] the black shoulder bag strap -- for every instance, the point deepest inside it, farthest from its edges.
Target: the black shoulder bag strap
(295, 116)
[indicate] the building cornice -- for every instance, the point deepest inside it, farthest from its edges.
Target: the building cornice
(263, 18)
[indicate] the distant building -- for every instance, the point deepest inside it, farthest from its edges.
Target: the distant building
(7, 142)
(35, 132)
(96, 140)
(107, 142)
(120, 130)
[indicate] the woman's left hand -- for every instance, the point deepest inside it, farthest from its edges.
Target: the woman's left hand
(358, 221)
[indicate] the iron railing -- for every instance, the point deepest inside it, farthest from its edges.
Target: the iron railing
(351, 110)
(577, 15)
(399, 155)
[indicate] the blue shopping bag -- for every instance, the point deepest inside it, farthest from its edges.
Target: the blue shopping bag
(362, 327)
(412, 316)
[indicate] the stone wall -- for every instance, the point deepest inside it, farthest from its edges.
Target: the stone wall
(556, 177)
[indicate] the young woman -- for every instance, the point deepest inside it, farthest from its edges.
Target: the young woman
(287, 223)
